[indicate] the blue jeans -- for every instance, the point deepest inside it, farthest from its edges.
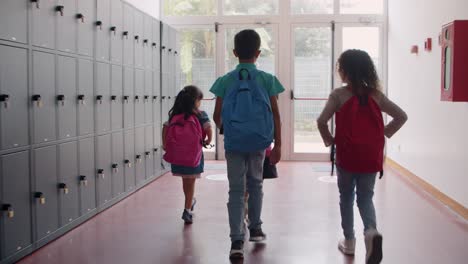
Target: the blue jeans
(349, 185)
(244, 170)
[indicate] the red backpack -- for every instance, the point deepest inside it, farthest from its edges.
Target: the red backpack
(360, 137)
(184, 141)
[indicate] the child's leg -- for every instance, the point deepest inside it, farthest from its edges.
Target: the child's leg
(189, 190)
(346, 185)
(255, 188)
(365, 192)
(236, 169)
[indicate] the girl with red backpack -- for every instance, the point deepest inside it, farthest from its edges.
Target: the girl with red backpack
(360, 140)
(184, 135)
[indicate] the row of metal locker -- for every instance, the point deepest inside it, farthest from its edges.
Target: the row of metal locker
(112, 31)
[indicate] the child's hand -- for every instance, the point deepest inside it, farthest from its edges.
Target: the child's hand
(207, 142)
(275, 156)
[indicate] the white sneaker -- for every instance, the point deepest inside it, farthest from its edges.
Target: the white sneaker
(347, 246)
(373, 240)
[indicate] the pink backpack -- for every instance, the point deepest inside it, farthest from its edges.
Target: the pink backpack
(184, 141)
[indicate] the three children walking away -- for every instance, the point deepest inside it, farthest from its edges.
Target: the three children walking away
(183, 137)
(360, 140)
(247, 108)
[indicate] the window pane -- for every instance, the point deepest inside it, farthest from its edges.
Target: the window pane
(300, 7)
(250, 7)
(361, 6)
(198, 63)
(364, 38)
(306, 135)
(266, 61)
(190, 7)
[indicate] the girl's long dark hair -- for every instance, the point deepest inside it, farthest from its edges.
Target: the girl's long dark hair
(358, 67)
(185, 102)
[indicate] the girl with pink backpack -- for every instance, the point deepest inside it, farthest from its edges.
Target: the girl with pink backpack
(184, 135)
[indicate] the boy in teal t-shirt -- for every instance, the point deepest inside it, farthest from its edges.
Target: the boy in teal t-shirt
(246, 169)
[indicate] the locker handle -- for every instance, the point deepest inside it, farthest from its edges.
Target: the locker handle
(60, 9)
(155, 149)
(5, 99)
(37, 3)
(99, 99)
(113, 29)
(113, 98)
(63, 187)
(155, 97)
(163, 97)
(80, 16)
(125, 34)
(145, 41)
(81, 99)
(126, 97)
(115, 167)
(137, 38)
(163, 47)
(101, 173)
(128, 163)
(138, 158)
(37, 99)
(83, 180)
(168, 97)
(99, 24)
(9, 209)
(146, 98)
(154, 44)
(61, 99)
(137, 98)
(175, 52)
(170, 50)
(40, 196)
(147, 153)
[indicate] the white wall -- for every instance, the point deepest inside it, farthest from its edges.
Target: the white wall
(149, 6)
(434, 143)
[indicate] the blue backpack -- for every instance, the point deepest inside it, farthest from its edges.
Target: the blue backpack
(246, 114)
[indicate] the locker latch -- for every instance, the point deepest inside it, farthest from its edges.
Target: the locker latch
(126, 99)
(154, 44)
(101, 173)
(175, 52)
(170, 50)
(155, 97)
(40, 196)
(169, 97)
(128, 163)
(145, 41)
(61, 99)
(83, 180)
(9, 210)
(35, 1)
(5, 99)
(113, 98)
(115, 167)
(147, 154)
(99, 99)
(137, 98)
(99, 24)
(155, 149)
(163, 47)
(64, 188)
(125, 34)
(81, 17)
(137, 38)
(81, 99)
(163, 97)
(146, 98)
(60, 9)
(114, 29)
(37, 99)
(138, 159)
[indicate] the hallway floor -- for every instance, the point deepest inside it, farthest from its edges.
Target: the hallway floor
(301, 218)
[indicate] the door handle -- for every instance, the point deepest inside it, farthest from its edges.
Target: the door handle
(8, 208)
(61, 99)
(80, 16)
(84, 180)
(40, 196)
(64, 188)
(37, 99)
(114, 29)
(115, 167)
(99, 24)
(60, 9)
(5, 99)
(101, 173)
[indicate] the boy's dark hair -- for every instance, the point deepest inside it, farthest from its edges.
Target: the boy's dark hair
(246, 44)
(185, 102)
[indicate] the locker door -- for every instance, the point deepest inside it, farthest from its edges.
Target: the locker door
(85, 17)
(45, 191)
(157, 98)
(43, 23)
(148, 99)
(66, 97)
(156, 44)
(103, 170)
(116, 29)
(139, 92)
(43, 97)
(116, 102)
(128, 34)
(66, 25)
(14, 20)
(118, 183)
(84, 98)
(13, 97)
(16, 193)
(103, 98)
(128, 100)
(138, 19)
(129, 160)
(86, 178)
(68, 182)
(147, 41)
(157, 150)
(103, 29)
(149, 155)
(139, 155)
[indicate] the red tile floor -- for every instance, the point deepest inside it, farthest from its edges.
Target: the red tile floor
(301, 216)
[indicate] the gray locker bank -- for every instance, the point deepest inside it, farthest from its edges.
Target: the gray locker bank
(84, 88)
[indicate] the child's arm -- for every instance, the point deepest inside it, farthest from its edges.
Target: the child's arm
(276, 152)
(399, 116)
(217, 112)
(325, 116)
(164, 131)
(209, 135)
